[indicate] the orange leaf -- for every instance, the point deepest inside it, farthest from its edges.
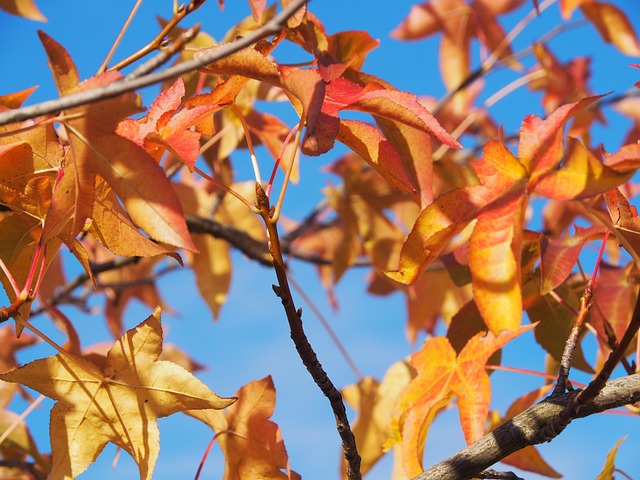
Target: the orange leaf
(582, 175)
(14, 100)
(555, 320)
(167, 127)
(96, 149)
(377, 151)
(613, 25)
(24, 8)
(443, 375)
(373, 401)
(252, 444)
(559, 255)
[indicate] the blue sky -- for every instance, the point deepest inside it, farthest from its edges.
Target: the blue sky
(251, 339)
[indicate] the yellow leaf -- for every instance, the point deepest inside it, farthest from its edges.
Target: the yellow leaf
(118, 403)
(373, 401)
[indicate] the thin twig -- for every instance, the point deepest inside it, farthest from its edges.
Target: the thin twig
(165, 54)
(159, 40)
(304, 348)
(327, 326)
(585, 397)
(118, 39)
(275, 25)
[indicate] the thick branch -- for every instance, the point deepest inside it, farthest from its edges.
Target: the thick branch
(523, 430)
(275, 25)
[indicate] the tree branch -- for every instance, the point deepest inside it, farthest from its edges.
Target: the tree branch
(304, 348)
(523, 430)
(275, 25)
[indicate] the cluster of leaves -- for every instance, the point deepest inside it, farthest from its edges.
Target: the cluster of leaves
(126, 193)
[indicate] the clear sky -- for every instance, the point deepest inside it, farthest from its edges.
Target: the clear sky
(251, 339)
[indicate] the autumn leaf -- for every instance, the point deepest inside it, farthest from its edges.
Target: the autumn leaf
(498, 204)
(9, 346)
(443, 375)
(559, 255)
(117, 401)
(609, 467)
(167, 127)
(252, 444)
(16, 99)
(459, 22)
(625, 217)
(554, 320)
(96, 150)
(19, 443)
(613, 25)
(24, 8)
(615, 295)
(373, 401)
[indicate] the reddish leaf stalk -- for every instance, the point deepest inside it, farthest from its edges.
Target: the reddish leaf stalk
(304, 348)
(280, 154)
(205, 455)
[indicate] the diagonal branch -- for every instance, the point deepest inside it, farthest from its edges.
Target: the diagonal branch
(524, 430)
(275, 25)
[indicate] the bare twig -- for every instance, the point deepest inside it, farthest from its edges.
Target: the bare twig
(304, 348)
(572, 341)
(158, 42)
(275, 25)
(584, 398)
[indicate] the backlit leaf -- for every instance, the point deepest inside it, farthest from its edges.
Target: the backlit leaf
(252, 444)
(443, 375)
(118, 403)
(136, 178)
(613, 25)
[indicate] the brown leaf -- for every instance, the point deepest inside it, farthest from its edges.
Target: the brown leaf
(252, 444)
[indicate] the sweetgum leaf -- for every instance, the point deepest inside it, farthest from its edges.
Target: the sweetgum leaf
(443, 375)
(96, 150)
(498, 206)
(613, 25)
(116, 403)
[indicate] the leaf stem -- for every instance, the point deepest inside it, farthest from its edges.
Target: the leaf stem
(247, 136)
(118, 39)
(287, 178)
(224, 187)
(277, 162)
